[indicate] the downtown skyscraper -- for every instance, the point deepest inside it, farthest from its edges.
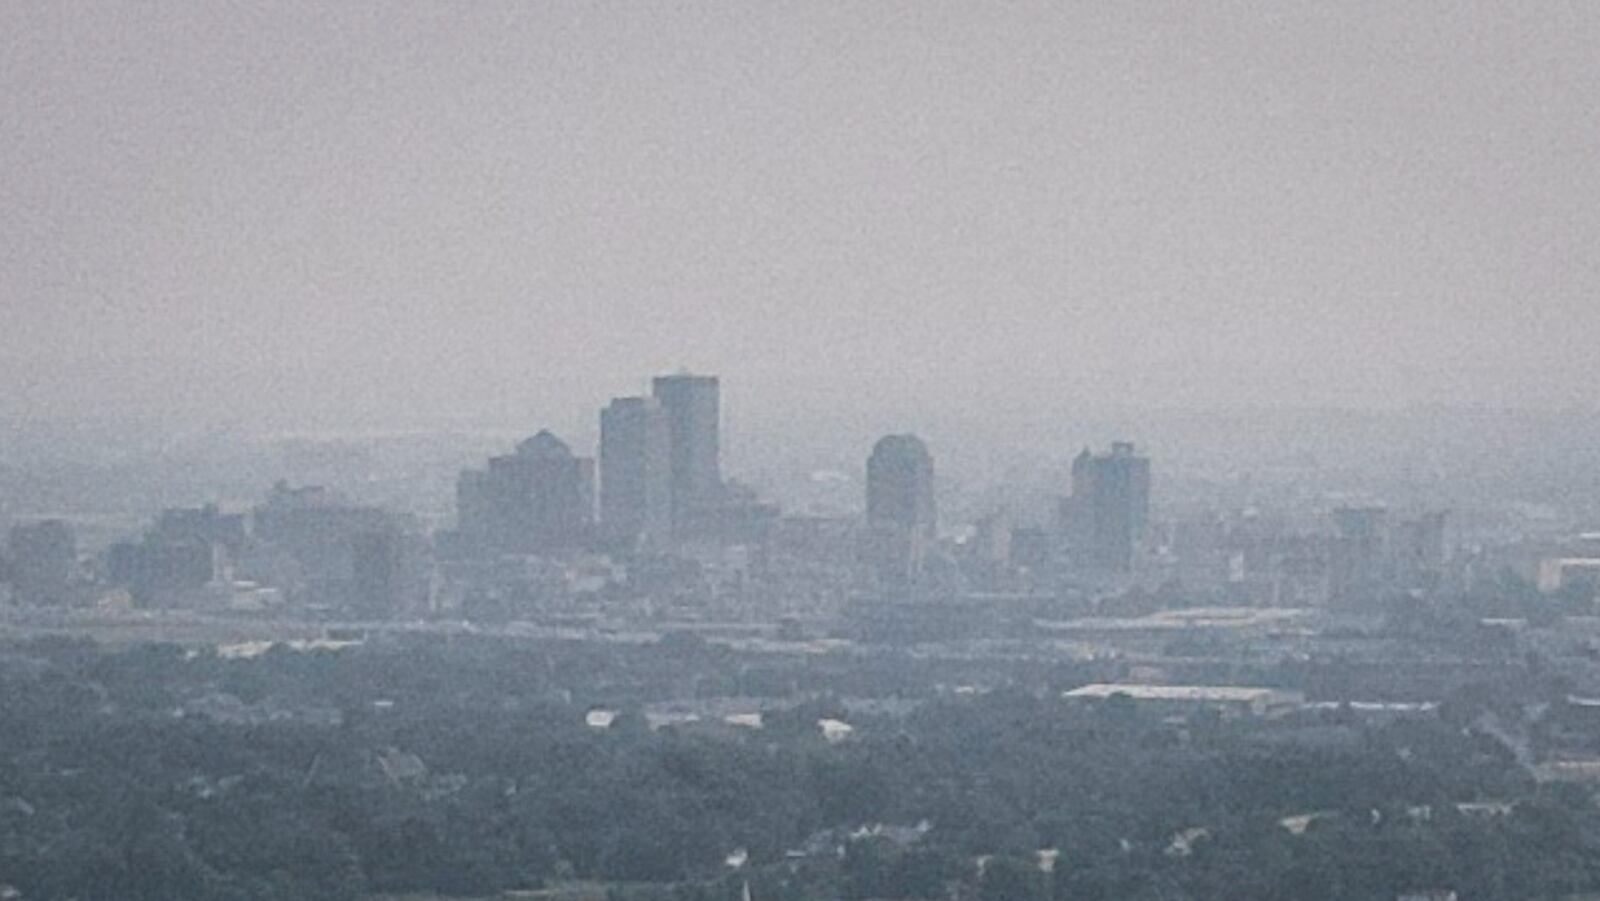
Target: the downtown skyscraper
(1109, 508)
(635, 472)
(902, 520)
(692, 407)
(540, 498)
(900, 485)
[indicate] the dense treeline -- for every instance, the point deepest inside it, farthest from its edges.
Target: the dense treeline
(467, 769)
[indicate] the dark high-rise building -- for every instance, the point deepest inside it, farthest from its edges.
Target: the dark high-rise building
(635, 471)
(539, 499)
(1109, 508)
(901, 517)
(691, 405)
(43, 555)
(900, 485)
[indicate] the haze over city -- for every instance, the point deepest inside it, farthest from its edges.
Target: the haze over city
(897, 451)
(307, 212)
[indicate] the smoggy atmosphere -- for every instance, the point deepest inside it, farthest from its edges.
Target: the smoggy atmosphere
(799, 451)
(409, 211)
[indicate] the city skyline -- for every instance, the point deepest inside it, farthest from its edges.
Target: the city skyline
(914, 450)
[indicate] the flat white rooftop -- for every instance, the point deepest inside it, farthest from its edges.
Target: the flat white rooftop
(1232, 694)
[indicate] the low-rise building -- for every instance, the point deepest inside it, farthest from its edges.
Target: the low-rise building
(1184, 699)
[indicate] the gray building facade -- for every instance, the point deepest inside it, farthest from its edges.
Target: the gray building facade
(635, 471)
(691, 404)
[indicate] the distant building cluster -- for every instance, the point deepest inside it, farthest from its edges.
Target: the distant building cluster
(303, 547)
(539, 499)
(646, 524)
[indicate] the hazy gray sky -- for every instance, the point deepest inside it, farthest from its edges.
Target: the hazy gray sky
(406, 209)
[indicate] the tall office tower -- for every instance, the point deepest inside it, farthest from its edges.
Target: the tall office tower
(540, 498)
(635, 471)
(901, 518)
(43, 555)
(900, 485)
(691, 406)
(1109, 508)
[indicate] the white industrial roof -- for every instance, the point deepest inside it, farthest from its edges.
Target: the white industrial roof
(1216, 693)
